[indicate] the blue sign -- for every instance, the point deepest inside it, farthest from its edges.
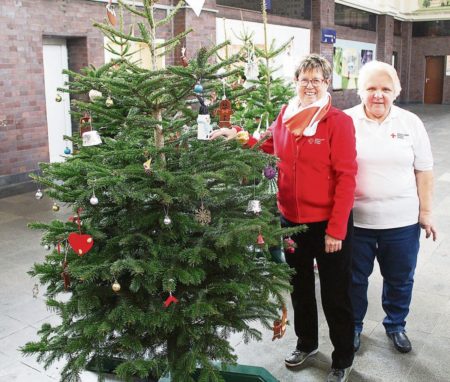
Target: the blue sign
(328, 36)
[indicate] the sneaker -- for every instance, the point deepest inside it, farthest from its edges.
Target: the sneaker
(339, 375)
(297, 357)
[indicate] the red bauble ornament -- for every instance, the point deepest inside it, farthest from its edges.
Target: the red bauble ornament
(260, 240)
(169, 300)
(81, 244)
(289, 245)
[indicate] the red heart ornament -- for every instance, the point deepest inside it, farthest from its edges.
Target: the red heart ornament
(81, 244)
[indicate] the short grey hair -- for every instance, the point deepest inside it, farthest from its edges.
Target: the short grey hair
(314, 61)
(372, 68)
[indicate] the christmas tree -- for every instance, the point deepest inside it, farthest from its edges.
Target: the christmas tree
(166, 253)
(256, 110)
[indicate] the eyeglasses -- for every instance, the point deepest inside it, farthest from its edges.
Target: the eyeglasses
(316, 82)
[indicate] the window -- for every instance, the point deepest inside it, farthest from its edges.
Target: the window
(431, 28)
(298, 9)
(354, 18)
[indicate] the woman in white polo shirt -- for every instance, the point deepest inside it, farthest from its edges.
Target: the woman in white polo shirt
(392, 199)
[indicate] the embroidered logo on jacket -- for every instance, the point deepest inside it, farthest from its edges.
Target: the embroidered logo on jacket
(399, 135)
(315, 141)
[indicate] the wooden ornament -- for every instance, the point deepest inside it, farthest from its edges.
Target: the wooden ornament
(279, 325)
(111, 13)
(224, 111)
(85, 124)
(65, 276)
(81, 244)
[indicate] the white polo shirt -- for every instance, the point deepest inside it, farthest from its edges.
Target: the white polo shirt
(387, 155)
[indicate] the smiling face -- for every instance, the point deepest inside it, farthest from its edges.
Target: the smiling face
(311, 86)
(378, 96)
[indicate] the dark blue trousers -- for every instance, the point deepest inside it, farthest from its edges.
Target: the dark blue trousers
(396, 251)
(335, 280)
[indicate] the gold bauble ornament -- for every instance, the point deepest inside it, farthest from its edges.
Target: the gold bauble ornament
(116, 286)
(58, 98)
(55, 207)
(109, 102)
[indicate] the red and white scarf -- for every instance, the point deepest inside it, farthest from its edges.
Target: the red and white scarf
(304, 120)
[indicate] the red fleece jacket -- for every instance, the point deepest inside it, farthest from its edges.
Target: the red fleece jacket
(316, 175)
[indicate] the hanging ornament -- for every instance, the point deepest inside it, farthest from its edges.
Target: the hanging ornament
(47, 247)
(254, 206)
(204, 128)
(198, 88)
(242, 137)
(35, 290)
(260, 240)
(55, 207)
(67, 150)
(111, 13)
(81, 244)
(94, 95)
(169, 300)
(109, 102)
(38, 195)
(148, 166)
(91, 138)
(93, 200)
(202, 215)
(184, 60)
(196, 5)
(270, 172)
(257, 133)
(116, 286)
(65, 275)
(251, 70)
(167, 220)
(224, 111)
(289, 245)
(279, 325)
(58, 97)
(85, 124)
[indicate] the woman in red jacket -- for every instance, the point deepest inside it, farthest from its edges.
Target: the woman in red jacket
(315, 144)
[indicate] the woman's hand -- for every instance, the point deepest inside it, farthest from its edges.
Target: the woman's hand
(426, 224)
(227, 133)
(332, 244)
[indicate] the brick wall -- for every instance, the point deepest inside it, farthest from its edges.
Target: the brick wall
(23, 124)
(422, 47)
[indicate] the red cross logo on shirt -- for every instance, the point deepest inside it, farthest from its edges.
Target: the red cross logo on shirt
(393, 135)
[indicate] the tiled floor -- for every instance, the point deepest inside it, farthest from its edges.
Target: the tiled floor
(428, 323)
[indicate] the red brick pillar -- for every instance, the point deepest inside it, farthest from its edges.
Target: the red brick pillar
(204, 29)
(405, 57)
(385, 38)
(322, 16)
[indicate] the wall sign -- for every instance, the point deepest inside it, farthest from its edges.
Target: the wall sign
(328, 36)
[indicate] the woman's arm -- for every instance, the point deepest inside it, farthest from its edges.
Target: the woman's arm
(424, 182)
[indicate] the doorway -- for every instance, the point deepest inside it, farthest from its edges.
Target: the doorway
(57, 103)
(434, 79)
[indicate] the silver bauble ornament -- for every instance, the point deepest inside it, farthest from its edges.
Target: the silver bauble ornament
(38, 195)
(167, 220)
(93, 200)
(47, 247)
